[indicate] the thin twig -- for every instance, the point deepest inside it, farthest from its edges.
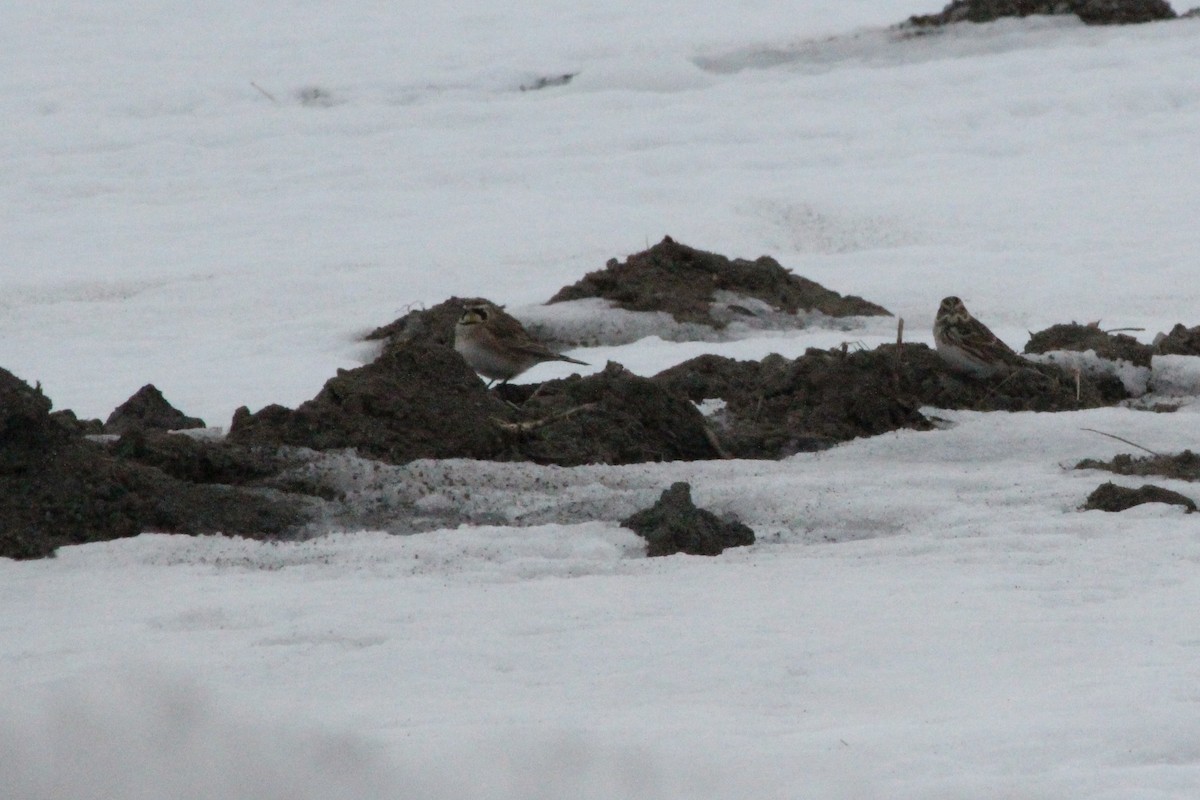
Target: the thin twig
(1119, 439)
(265, 93)
(532, 425)
(1122, 330)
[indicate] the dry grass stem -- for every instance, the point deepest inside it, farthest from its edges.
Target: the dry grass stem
(534, 424)
(1119, 439)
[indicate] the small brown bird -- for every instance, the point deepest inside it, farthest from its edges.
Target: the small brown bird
(966, 343)
(497, 346)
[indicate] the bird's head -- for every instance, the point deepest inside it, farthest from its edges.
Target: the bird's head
(474, 315)
(953, 307)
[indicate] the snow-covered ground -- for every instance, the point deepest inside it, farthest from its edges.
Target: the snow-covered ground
(220, 199)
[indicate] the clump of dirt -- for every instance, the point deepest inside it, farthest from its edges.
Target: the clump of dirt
(1122, 12)
(57, 488)
(1181, 341)
(196, 461)
(67, 419)
(778, 406)
(419, 399)
(1183, 466)
(1034, 387)
(1093, 12)
(427, 325)
(416, 400)
(675, 525)
(1110, 497)
(1080, 338)
(684, 282)
(146, 410)
(611, 417)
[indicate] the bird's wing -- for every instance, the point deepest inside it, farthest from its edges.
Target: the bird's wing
(506, 326)
(991, 344)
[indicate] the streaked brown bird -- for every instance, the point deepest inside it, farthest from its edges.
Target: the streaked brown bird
(497, 346)
(967, 345)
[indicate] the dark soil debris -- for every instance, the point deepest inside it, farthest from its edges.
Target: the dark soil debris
(420, 400)
(1080, 338)
(56, 488)
(1093, 12)
(778, 406)
(200, 461)
(611, 417)
(1180, 341)
(417, 400)
(1111, 497)
(682, 281)
(427, 325)
(675, 525)
(1183, 466)
(148, 410)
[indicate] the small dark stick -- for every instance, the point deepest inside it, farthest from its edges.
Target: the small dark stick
(1119, 439)
(265, 93)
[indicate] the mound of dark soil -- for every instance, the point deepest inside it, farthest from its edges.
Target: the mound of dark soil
(1181, 341)
(148, 410)
(201, 461)
(428, 325)
(611, 417)
(1183, 466)
(82, 427)
(675, 525)
(1093, 12)
(1122, 12)
(777, 406)
(1080, 338)
(421, 400)
(417, 400)
(1110, 497)
(682, 281)
(56, 488)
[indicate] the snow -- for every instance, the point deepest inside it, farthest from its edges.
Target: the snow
(1176, 375)
(925, 615)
